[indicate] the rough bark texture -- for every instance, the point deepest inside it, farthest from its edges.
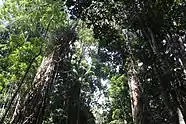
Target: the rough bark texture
(135, 94)
(30, 109)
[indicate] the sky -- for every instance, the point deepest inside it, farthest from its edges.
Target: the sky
(1, 2)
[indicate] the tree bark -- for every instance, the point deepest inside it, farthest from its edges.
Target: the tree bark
(135, 94)
(32, 105)
(74, 104)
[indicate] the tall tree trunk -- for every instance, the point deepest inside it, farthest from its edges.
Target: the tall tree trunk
(31, 108)
(74, 104)
(136, 95)
(32, 104)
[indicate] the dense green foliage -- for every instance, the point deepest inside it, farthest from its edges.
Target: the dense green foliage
(94, 42)
(152, 35)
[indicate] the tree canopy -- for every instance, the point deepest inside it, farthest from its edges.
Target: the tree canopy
(88, 62)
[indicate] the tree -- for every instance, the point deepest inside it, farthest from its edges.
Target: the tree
(158, 30)
(139, 42)
(29, 103)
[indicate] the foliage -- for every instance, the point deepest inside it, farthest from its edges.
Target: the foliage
(151, 33)
(120, 99)
(112, 37)
(26, 33)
